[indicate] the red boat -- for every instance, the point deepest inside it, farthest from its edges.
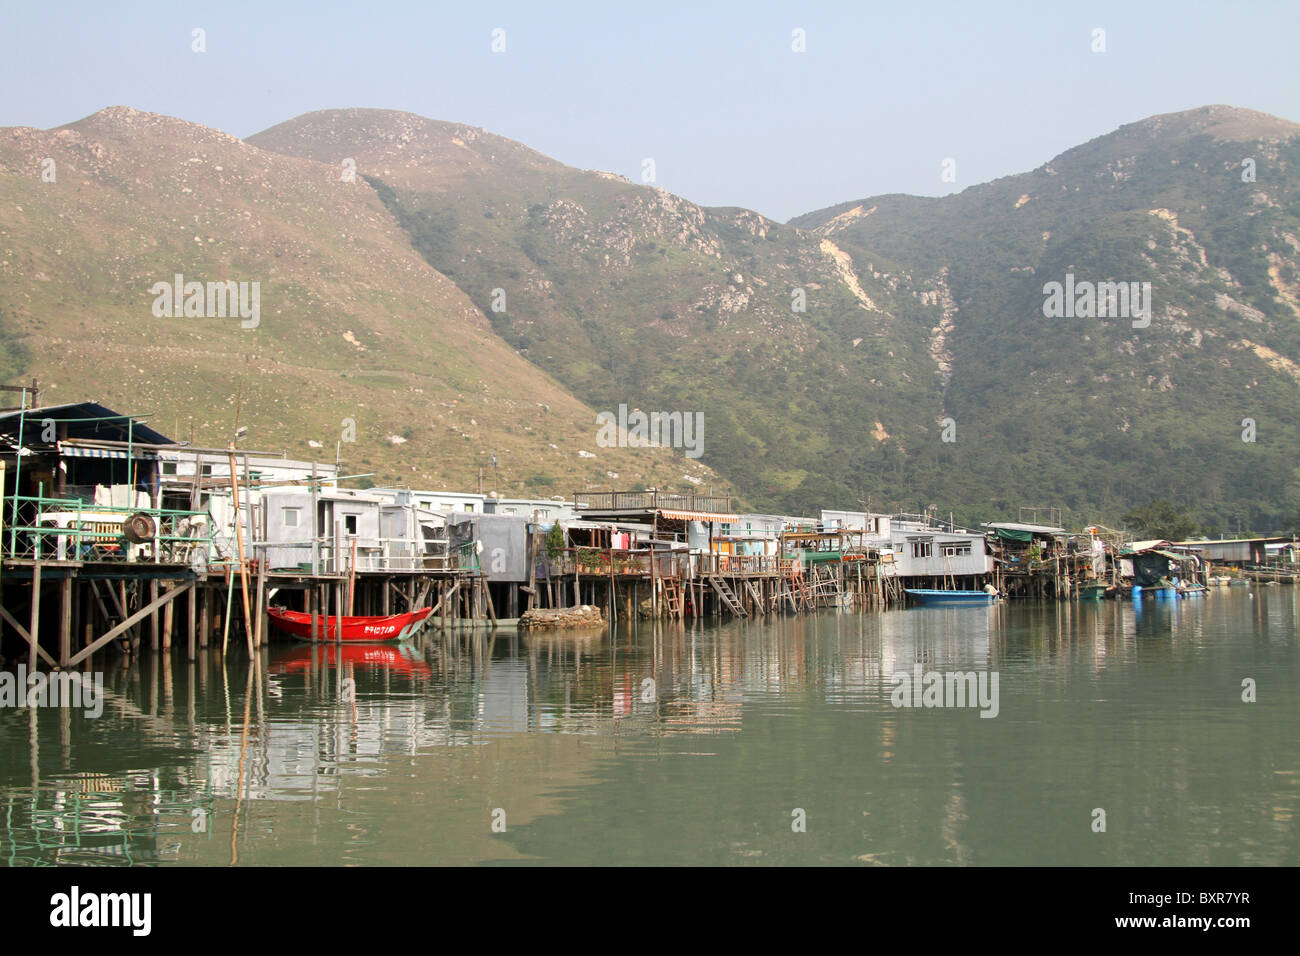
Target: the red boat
(394, 627)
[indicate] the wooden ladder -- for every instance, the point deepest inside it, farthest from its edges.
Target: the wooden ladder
(756, 594)
(728, 596)
(673, 597)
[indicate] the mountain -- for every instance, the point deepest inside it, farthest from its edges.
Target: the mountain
(356, 334)
(445, 285)
(1090, 413)
(923, 370)
(631, 295)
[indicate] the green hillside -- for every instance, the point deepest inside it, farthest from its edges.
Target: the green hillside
(919, 312)
(357, 334)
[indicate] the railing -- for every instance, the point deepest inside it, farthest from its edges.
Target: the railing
(598, 561)
(649, 501)
(668, 564)
(69, 529)
(376, 554)
(742, 564)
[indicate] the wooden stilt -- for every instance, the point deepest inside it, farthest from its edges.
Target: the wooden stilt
(260, 618)
(139, 615)
(65, 622)
(153, 618)
(34, 623)
(190, 614)
(168, 617)
(205, 606)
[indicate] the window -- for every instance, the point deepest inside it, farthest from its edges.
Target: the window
(205, 470)
(922, 549)
(447, 506)
(426, 505)
(350, 524)
(469, 506)
(169, 468)
(957, 549)
(291, 517)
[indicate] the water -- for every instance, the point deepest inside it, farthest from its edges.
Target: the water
(693, 745)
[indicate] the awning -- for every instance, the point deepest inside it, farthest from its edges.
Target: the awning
(1015, 534)
(78, 451)
(697, 516)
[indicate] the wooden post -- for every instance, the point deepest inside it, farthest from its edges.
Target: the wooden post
(190, 610)
(168, 616)
(205, 614)
(260, 638)
(338, 612)
(33, 629)
(352, 578)
(532, 564)
(65, 622)
(239, 542)
(654, 579)
(315, 528)
(487, 599)
(313, 607)
(153, 618)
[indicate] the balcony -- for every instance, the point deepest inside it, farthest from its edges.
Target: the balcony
(650, 501)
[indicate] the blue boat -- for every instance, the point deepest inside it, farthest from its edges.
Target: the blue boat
(930, 596)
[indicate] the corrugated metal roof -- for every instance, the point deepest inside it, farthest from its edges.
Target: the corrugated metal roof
(1151, 545)
(81, 451)
(1016, 526)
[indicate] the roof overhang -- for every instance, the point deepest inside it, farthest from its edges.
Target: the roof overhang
(674, 515)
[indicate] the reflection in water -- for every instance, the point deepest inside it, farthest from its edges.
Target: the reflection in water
(689, 745)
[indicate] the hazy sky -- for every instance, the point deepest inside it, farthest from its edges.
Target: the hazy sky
(713, 92)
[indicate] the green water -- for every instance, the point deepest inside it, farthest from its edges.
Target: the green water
(693, 746)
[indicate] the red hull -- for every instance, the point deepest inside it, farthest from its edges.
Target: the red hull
(395, 627)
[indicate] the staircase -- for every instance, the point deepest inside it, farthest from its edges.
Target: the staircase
(728, 596)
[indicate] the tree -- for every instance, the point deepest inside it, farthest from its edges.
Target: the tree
(554, 541)
(1162, 519)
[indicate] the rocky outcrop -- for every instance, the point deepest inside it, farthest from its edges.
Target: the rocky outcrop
(587, 615)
